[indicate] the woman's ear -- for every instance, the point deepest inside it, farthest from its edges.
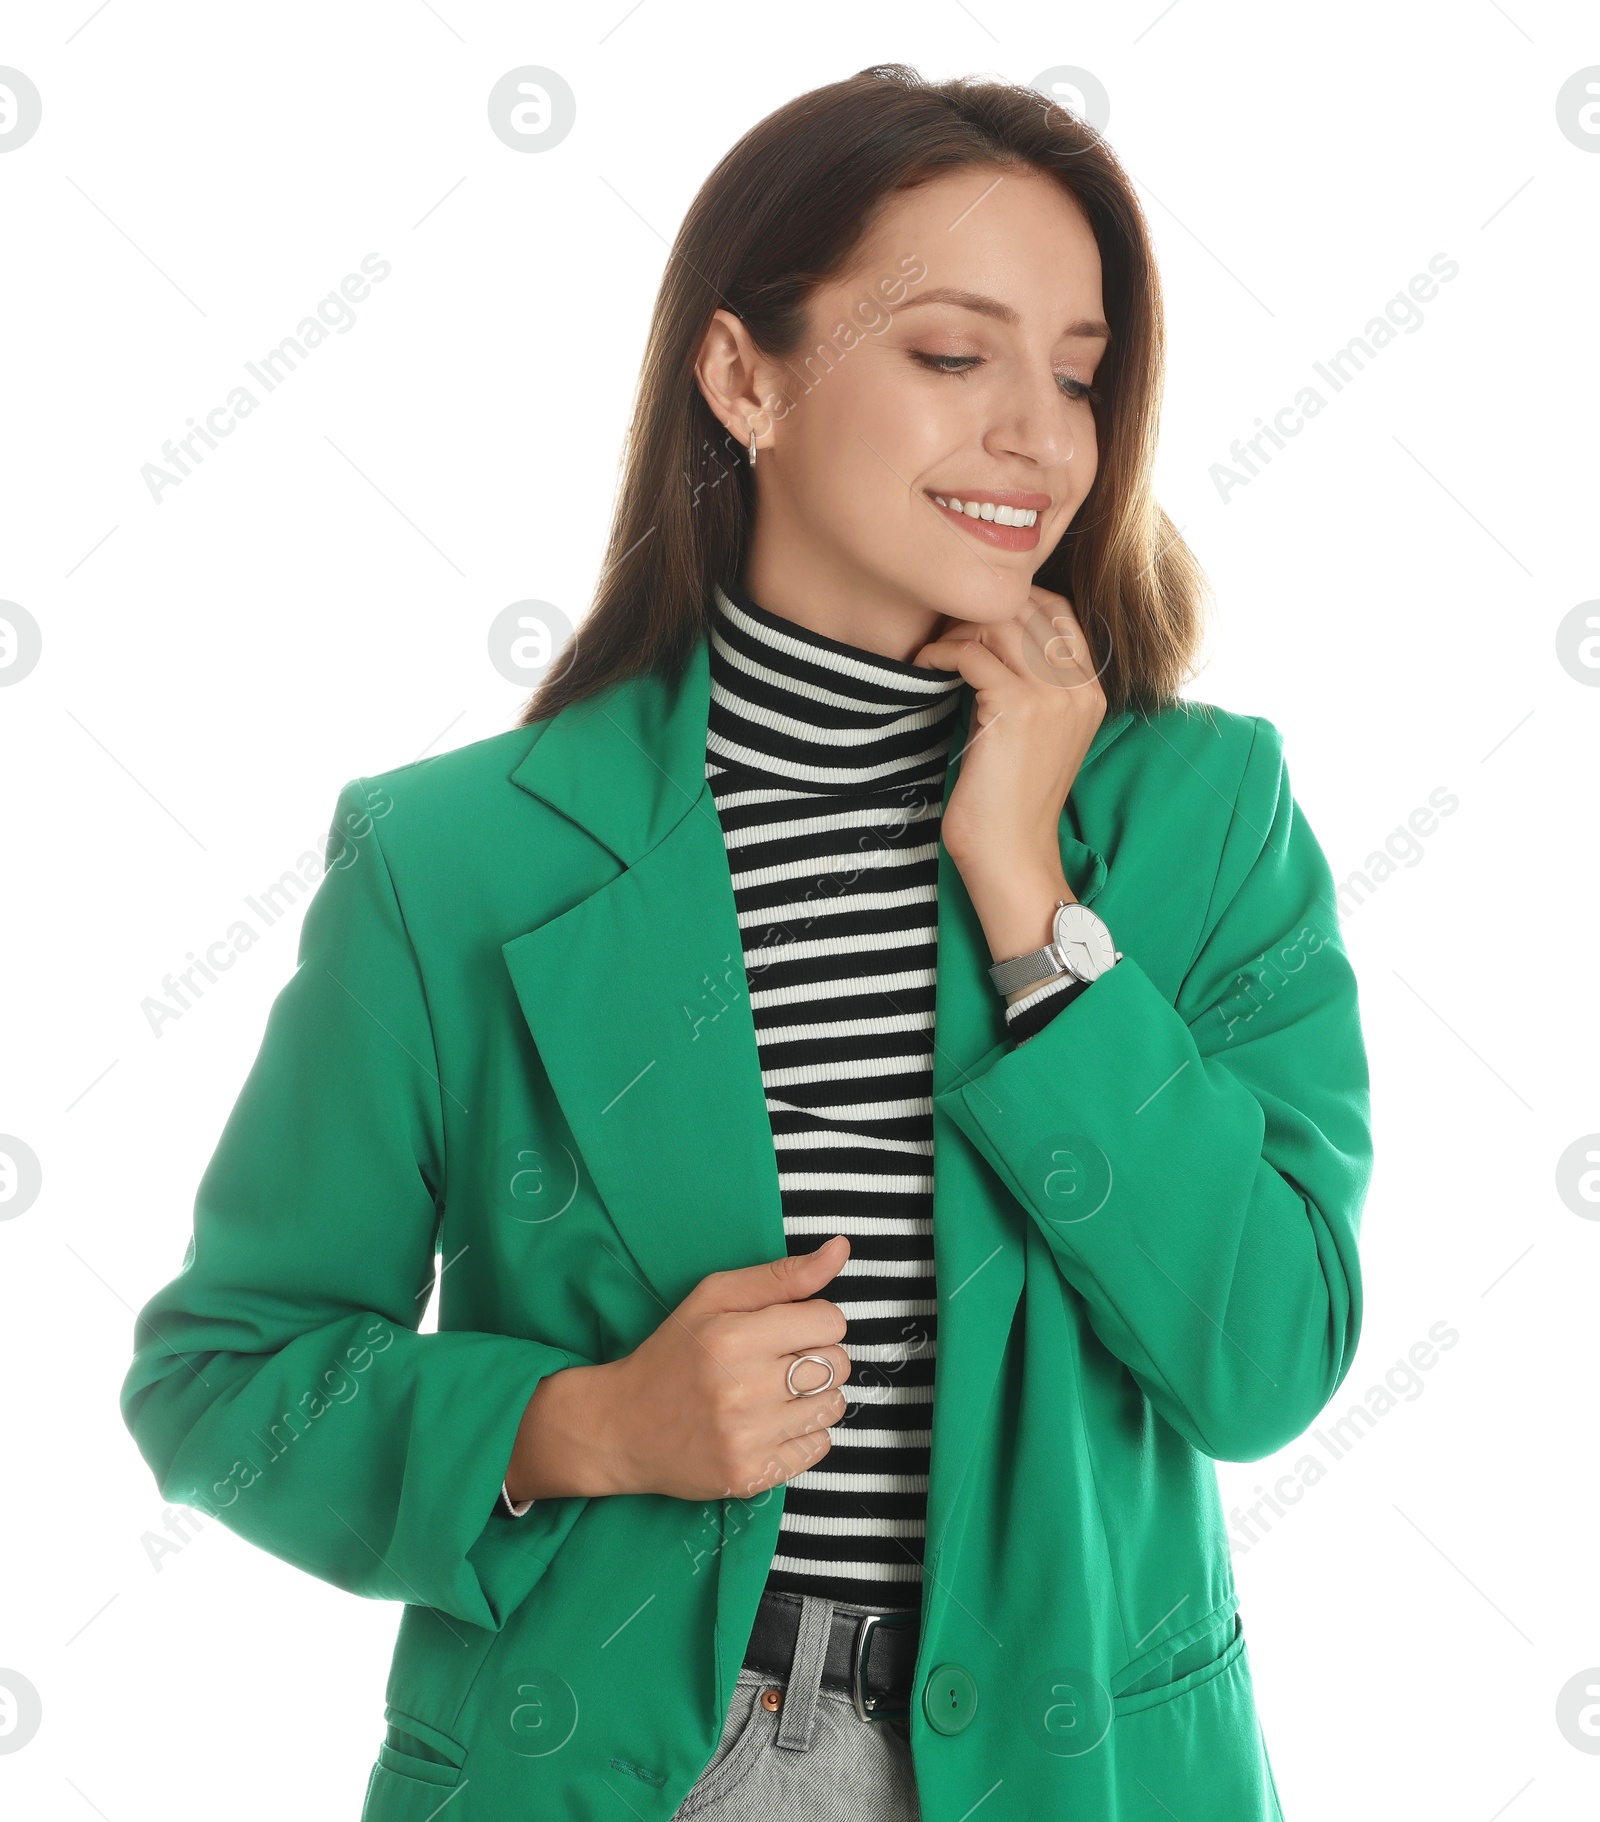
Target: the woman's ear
(727, 371)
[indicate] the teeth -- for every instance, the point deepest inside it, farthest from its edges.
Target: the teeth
(999, 515)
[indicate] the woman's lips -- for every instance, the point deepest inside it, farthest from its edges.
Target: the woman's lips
(1001, 537)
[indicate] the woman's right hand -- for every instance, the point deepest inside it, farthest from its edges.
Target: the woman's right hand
(701, 1409)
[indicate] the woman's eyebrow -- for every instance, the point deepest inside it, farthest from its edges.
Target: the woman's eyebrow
(1087, 327)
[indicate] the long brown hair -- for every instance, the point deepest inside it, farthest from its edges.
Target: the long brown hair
(782, 214)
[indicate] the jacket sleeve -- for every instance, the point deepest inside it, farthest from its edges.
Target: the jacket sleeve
(279, 1382)
(1029, 1016)
(1198, 1169)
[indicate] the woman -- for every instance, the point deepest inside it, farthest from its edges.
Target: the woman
(881, 1071)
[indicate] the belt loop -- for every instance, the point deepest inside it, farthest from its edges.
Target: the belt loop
(805, 1673)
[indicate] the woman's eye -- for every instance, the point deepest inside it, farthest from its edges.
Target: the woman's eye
(1078, 389)
(941, 363)
(961, 364)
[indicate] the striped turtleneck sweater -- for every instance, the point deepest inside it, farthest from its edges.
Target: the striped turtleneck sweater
(826, 763)
(827, 766)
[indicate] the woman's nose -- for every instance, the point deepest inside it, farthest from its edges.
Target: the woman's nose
(1034, 424)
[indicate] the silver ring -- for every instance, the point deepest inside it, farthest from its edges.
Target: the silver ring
(811, 1390)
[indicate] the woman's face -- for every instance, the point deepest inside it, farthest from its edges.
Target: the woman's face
(954, 363)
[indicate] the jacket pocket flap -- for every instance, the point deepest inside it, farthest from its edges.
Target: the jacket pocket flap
(1149, 1669)
(433, 1742)
(420, 1771)
(1224, 1648)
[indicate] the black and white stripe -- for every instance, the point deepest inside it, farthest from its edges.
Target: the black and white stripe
(827, 766)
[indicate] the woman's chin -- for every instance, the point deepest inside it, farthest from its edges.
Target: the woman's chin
(988, 606)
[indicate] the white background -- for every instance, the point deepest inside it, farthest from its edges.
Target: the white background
(313, 603)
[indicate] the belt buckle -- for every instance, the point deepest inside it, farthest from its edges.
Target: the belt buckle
(868, 1706)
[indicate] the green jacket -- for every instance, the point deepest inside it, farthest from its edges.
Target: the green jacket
(518, 1038)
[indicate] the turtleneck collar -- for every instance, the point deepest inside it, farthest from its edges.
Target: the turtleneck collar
(818, 715)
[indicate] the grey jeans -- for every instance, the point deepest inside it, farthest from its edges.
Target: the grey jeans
(812, 1756)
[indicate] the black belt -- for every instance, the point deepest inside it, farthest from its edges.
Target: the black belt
(871, 1657)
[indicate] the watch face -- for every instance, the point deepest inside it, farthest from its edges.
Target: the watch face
(1084, 941)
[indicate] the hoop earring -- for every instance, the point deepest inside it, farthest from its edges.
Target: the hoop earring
(752, 446)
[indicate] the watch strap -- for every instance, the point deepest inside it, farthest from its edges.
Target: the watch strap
(1028, 970)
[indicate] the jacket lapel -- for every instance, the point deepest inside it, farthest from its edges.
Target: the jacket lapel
(636, 995)
(978, 1231)
(636, 998)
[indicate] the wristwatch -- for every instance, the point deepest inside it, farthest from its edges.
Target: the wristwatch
(1080, 945)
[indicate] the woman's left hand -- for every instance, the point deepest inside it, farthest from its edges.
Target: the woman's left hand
(1037, 705)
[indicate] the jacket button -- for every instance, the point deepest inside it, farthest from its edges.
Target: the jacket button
(950, 1698)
